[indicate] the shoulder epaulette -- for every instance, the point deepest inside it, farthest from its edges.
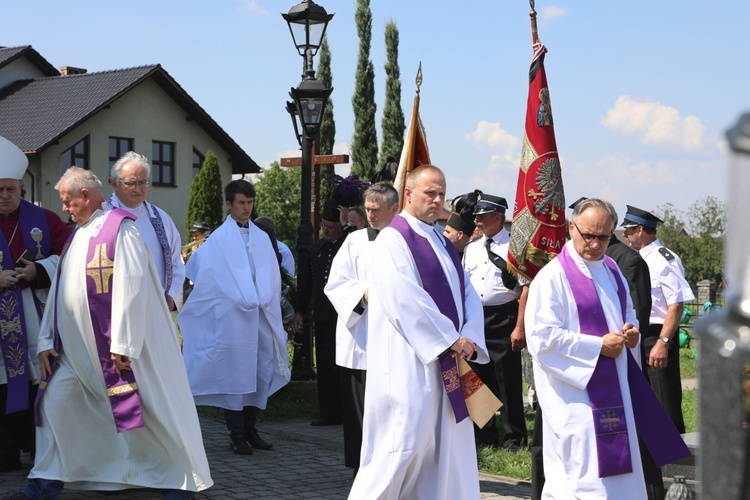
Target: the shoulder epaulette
(664, 251)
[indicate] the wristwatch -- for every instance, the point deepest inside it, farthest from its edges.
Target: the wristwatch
(664, 339)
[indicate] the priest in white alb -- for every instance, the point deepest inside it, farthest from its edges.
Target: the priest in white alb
(114, 409)
(347, 291)
(418, 441)
(582, 332)
(234, 341)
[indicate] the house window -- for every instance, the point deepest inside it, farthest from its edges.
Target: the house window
(162, 163)
(197, 161)
(118, 146)
(78, 155)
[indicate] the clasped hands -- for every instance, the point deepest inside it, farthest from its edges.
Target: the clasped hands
(614, 343)
(11, 277)
(463, 347)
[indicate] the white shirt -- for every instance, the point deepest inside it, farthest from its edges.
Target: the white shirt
(485, 276)
(668, 285)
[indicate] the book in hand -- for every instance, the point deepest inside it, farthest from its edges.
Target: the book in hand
(25, 256)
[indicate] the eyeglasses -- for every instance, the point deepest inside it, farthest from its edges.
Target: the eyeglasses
(132, 184)
(588, 237)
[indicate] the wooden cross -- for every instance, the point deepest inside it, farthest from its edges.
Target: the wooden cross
(318, 160)
(100, 268)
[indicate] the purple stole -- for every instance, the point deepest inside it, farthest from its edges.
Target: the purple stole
(656, 429)
(32, 224)
(100, 261)
(435, 283)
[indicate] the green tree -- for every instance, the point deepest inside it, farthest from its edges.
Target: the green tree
(393, 116)
(277, 195)
(365, 141)
(327, 127)
(206, 202)
(697, 237)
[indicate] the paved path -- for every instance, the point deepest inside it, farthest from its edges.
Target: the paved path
(306, 462)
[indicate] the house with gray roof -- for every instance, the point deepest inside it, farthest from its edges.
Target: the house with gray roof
(72, 117)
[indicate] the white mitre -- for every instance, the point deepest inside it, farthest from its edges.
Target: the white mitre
(13, 162)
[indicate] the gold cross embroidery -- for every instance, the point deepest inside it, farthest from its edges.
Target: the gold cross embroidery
(100, 268)
(609, 421)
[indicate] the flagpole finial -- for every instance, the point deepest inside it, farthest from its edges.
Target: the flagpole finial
(534, 32)
(419, 77)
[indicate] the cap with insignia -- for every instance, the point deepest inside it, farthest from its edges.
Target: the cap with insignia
(460, 224)
(573, 205)
(331, 212)
(199, 227)
(488, 203)
(636, 217)
(13, 162)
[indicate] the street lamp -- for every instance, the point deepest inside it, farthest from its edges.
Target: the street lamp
(307, 24)
(724, 362)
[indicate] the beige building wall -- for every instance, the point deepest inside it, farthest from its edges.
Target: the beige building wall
(145, 114)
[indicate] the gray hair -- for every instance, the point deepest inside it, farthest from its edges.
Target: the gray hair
(584, 205)
(382, 192)
(77, 178)
(129, 157)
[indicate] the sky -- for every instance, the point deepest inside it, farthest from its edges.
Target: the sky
(642, 91)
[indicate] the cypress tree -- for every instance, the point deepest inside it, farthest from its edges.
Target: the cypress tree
(206, 202)
(365, 141)
(393, 116)
(327, 136)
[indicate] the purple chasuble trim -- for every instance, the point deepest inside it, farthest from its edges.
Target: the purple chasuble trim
(100, 261)
(651, 420)
(435, 283)
(32, 224)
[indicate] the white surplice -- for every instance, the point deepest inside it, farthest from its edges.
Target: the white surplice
(412, 446)
(78, 442)
(234, 342)
(347, 283)
(564, 361)
(144, 213)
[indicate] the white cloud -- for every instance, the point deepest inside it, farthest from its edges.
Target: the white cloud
(552, 13)
(655, 123)
(491, 135)
(252, 6)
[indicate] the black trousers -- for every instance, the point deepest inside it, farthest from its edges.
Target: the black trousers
(329, 374)
(353, 411)
(16, 430)
(666, 383)
(240, 421)
(502, 375)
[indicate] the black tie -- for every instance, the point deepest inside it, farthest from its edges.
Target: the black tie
(246, 225)
(509, 281)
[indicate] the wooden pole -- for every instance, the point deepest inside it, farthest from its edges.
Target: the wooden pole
(534, 32)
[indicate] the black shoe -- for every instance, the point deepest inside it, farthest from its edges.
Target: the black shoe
(256, 441)
(325, 421)
(240, 447)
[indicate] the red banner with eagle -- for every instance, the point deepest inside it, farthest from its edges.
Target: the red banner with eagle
(538, 231)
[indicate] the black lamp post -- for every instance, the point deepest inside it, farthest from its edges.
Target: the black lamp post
(307, 24)
(724, 362)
